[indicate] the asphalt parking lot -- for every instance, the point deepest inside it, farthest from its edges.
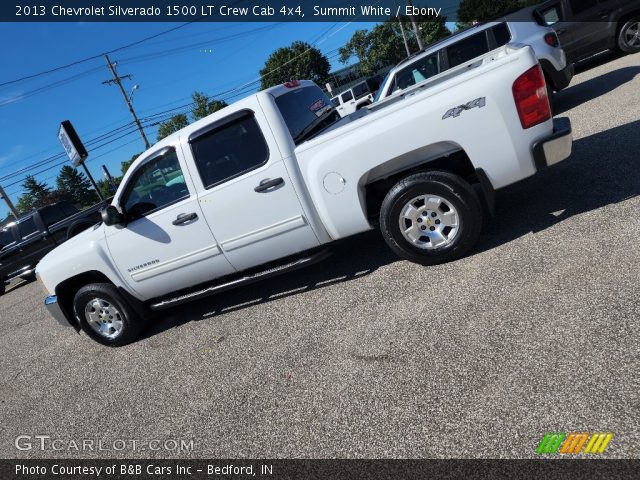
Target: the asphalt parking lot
(365, 355)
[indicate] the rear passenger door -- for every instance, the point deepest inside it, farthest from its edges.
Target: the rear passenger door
(35, 243)
(581, 26)
(51, 215)
(246, 196)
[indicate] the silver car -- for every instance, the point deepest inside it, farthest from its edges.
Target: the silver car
(476, 41)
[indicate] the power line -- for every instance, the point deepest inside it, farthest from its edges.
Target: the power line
(160, 116)
(93, 57)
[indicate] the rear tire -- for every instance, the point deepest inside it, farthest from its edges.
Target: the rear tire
(431, 218)
(105, 316)
(629, 36)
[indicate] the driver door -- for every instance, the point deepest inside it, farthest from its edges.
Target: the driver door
(166, 245)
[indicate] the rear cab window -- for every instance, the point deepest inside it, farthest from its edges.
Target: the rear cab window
(306, 111)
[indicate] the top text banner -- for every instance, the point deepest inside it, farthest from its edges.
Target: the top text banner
(223, 10)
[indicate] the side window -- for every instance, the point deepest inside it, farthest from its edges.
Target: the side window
(27, 226)
(417, 72)
(551, 15)
(52, 214)
(360, 90)
(347, 96)
(502, 34)
(69, 209)
(467, 49)
(230, 150)
(6, 238)
(335, 101)
(579, 6)
(158, 183)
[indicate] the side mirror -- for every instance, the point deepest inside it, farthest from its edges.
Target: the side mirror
(111, 216)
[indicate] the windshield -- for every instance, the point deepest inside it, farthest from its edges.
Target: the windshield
(306, 112)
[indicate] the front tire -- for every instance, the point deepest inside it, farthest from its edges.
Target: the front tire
(431, 218)
(105, 316)
(629, 36)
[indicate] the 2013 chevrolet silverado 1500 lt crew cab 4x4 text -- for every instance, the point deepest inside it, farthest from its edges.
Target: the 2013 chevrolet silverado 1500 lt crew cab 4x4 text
(261, 186)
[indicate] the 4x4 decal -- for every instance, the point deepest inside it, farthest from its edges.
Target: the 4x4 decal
(455, 112)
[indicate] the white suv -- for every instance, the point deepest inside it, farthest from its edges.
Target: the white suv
(353, 99)
(476, 41)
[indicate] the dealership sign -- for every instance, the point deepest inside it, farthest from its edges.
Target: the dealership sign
(72, 144)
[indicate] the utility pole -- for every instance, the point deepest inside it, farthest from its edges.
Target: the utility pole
(416, 30)
(404, 35)
(116, 79)
(8, 202)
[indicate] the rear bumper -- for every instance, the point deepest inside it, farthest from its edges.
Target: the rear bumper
(555, 147)
(52, 305)
(559, 79)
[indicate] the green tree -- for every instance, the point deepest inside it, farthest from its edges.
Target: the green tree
(296, 62)
(37, 194)
(75, 187)
(172, 125)
(203, 105)
(383, 45)
(106, 188)
(472, 11)
(124, 166)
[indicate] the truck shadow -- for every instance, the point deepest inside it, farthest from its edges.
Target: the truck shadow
(352, 258)
(592, 178)
(593, 88)
(603, 169)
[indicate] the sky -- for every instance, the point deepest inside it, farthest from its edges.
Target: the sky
(208, 57)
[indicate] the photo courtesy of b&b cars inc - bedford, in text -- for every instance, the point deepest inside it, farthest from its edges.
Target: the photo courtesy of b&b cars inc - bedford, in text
(341, 239)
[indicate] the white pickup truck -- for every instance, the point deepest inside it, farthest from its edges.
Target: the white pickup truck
(264, 185)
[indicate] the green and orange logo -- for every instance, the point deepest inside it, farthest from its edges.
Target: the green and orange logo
(572, 443)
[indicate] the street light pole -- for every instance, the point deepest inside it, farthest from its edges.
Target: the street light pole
(416, 30)
(404, 35)
(8, 201)
(116, 79)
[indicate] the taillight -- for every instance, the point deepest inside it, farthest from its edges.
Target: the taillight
(552, 39)
(292, 84)
(530, 94)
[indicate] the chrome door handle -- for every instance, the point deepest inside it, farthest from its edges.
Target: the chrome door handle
(266, 184)
(184, 218)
